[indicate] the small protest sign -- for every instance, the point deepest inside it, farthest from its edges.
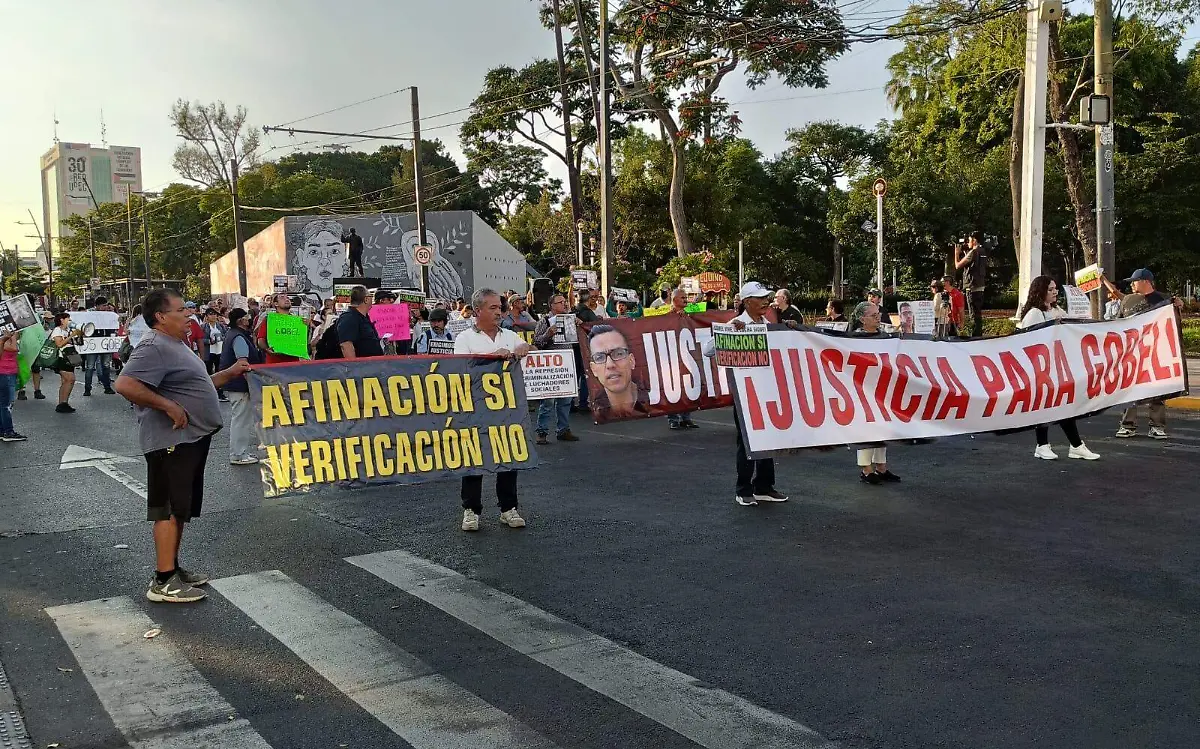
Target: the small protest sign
(392, 321)
(409, 296)
(583, 279)
(287, 334)
(457, 326)
(696, 307)
(690, 284)
(741, 348)
(629, 296)
(16, 313)
(916, 317)
(661, 309)
(1088, 279)
(564, 329)
(439, 347)
(286, 284)
(104, 345)
(841, 325)
(549, 374)
(1079, 307)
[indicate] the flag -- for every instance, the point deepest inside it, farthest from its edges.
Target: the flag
(30, 344)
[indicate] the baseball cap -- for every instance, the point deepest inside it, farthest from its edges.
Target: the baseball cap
(189, 305)
(439, 314)
(754, 289)
(384, 294)
(1141, 274)
(874, 292)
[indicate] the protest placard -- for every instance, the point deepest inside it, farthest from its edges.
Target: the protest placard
(550, 374)
(695, 308)
(16, 313)
(583, 279)
(104, 345)
(629, 296)
(286, 284)
(439, 347)
(287, 335)
(1079, 307)
(403, 420)
(824, 390)
(565, 329)
(456, 326)
(841, 325)
(410, 296)
(916, 317)
(393, 322)
(741, 348)
(690, 284)
(1088, 279)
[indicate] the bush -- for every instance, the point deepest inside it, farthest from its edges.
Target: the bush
(998, 326)
(1191, 337)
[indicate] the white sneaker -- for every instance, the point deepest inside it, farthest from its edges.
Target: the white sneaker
(1158, 433)
(470, 521)
(512, 519)
(1125, 433)
(1045, 453)
(245, 460)
(1083, 453)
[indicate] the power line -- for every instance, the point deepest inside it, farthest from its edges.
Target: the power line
(347, 106)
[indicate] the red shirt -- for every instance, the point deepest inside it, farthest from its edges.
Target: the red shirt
(195, 334)
(260, 334)
(958, 303)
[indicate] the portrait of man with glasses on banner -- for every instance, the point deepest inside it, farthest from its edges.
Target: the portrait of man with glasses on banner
(612, 364)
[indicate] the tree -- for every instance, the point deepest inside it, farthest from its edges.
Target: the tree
(676, 56)
(212, 137)
(512, 174)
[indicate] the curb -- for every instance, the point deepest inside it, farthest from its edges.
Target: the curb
(1185, 403)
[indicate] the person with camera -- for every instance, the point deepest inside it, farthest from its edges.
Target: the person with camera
(974, 261)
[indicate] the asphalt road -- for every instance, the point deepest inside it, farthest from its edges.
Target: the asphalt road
(989, 600)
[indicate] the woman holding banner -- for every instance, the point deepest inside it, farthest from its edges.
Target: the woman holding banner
(1041, 306)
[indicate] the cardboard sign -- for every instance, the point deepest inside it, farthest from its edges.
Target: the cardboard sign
(287, 334)
(410, 296)
(16, 313)
(457, 326)
(103, 345)
(741, 348)
(661, 309)
(842, 326)
(102, 320)
(584, 279)
(629, 296)
(690, 284)
(438, 347)
(564, 329)
(1088, 279)
(392, 321)
(695, 308)
(1079, 307)
(916, 317)
(286, 284)
(550, 374)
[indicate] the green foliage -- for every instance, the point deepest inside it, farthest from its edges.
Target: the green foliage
(689, 265)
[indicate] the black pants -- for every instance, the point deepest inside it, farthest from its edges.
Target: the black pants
(214, 366)
(1069, 429)
(506, 491)
(356, 261)
(975, 300)
(753, 476)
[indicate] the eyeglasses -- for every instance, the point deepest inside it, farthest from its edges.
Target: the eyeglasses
(617, 354)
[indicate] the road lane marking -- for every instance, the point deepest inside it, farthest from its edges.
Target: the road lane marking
(709, 716)
(152, 693)
(425, 709)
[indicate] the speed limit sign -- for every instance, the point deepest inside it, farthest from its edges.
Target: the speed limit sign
(423, 255)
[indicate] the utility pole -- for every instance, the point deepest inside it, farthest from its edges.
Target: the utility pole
(146, 245)
(419, 184)
(1106, 253)
(1033, 150)
(880, 189)
(741, 267)
(604, 143)
(568, 136)
(49, 254)
(237, 227)
(92, 246)
(129, 239)
(579, 230)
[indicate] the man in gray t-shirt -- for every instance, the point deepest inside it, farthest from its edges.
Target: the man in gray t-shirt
(178, 413)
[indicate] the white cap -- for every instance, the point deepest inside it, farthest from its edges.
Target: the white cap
(754, 289)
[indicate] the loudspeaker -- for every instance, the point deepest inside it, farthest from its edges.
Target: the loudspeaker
(541, 289)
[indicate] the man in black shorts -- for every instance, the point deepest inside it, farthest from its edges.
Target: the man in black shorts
(178, 413)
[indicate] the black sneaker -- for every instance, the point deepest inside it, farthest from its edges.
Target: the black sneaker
(13, 437)
(195, 579)
(771, 495)
(21, 395)
(889, 476)
(37, 395)
(567, 437)
(542, 439)
(64, 408)
(87, 392)
(174, 591)
(689, 424)
(870, 478)
(109, 391)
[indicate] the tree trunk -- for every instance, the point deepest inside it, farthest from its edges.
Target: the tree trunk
(1071, 156)
(585, 43)
(836, 288)
(572, 171)
(1015, 156)
(679, 222)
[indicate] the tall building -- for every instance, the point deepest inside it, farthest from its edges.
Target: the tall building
(69, 169)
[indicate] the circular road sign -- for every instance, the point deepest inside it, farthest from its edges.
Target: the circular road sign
(880, 187)
(423, 255)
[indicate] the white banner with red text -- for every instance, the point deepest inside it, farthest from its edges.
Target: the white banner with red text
(823, 390)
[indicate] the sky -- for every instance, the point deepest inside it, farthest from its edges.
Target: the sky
(283, 60)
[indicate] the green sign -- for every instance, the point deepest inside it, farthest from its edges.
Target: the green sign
(695, 307)
(287, 334)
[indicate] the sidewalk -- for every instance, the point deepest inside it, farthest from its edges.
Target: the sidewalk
(1190, 402)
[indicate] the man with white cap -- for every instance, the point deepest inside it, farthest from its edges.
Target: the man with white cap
(755, 478)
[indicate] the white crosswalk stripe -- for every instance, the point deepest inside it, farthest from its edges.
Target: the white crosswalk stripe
(426, 710)
(708, 716)
(153, 694)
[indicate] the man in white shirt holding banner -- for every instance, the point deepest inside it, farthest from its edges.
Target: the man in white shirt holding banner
(487, 337)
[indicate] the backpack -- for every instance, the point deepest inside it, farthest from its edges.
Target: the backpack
(328, 346)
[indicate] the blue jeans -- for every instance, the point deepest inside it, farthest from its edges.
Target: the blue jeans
(93, 363)
(677, 419)
(547, 408)
(8, 394)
